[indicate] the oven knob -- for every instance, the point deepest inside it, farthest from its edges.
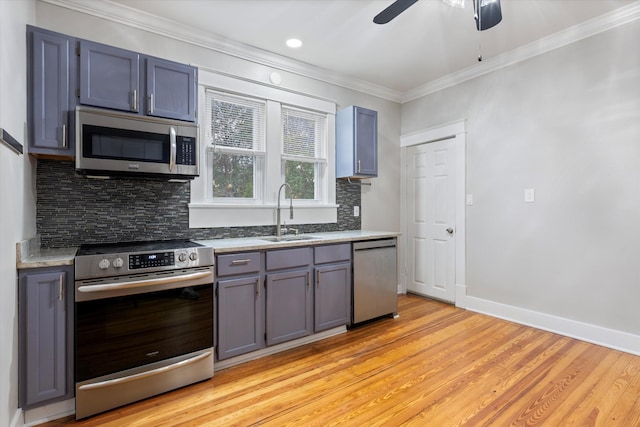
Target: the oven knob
(104, 264)
(193, 256)
(182, 257)
(118, 263)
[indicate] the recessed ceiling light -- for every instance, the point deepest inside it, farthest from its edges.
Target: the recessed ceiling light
(294, 43)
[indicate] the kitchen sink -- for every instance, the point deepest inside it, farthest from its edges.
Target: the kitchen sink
(289, 238)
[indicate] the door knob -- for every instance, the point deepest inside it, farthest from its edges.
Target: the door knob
(450, 230)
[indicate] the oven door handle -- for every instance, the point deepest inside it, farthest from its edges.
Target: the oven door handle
(146, 374)
(144, 283)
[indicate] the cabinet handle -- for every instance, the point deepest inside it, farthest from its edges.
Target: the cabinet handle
(134, 103)
(151, 104)
(258, 287)
(64, 135)
(358, 166)
(60, 287)
(240, 261)
(317, 278)
(308, 278)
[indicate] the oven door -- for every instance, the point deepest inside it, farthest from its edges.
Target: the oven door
(141, 335)
(131, 321)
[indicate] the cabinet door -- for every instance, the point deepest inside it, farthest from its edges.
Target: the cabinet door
(332, 296)
(49, 94)
(171, 90)
(240, 316)
(366, 142)
(46, 337)
(356, 143)
(109, 77)
(289, 306)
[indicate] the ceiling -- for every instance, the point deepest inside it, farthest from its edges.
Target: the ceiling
(426, 42)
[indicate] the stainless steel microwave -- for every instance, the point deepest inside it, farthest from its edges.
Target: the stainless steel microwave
(112, 143)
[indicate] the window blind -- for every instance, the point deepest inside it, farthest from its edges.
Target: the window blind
(303, 135)
(235, 124)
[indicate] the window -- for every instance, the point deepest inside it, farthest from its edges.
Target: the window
(304, 157)
(235, 146)
(254, 137)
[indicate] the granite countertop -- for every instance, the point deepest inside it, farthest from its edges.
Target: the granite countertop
(257, 243)
(30, 255)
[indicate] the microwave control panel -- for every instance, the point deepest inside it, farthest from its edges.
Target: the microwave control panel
(186, 150)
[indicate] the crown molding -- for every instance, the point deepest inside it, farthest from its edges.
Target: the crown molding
(562, 38)
(128, 16)
(125, 15)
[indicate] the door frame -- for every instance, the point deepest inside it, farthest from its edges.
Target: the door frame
(455, 131)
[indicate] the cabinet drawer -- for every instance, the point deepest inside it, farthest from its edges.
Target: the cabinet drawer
(332, 253)
(238, 263)
(288, 258)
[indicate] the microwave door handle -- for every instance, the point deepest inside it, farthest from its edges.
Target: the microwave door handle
(172, 156)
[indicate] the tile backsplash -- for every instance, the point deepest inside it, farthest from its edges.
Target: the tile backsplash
(73, 210)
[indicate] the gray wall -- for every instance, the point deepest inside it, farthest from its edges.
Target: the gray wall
(566, 123)
(16, 182)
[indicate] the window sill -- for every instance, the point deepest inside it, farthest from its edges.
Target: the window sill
(204, 215)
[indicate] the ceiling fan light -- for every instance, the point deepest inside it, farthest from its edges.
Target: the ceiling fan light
(455, 3)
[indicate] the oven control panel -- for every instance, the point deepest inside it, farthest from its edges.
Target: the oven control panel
(121, 263)
(158, 259)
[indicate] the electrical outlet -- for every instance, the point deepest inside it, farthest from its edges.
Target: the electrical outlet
(356, 211)
(469, 199)
(529, 195)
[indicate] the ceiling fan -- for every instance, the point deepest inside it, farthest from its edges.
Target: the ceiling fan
(487, 12)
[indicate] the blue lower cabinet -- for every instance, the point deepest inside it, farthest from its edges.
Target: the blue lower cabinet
(45, 311)
(270, 297)
(289, 313)
(332, 299)
(240, 324)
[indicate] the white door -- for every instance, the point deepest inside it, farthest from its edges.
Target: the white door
(431, 236)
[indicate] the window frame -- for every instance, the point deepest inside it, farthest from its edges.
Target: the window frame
(320, 162)
(207, 213)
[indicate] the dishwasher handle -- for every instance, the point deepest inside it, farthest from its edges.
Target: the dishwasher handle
(374, 244)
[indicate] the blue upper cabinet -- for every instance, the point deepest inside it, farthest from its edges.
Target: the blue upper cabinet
(50, 87)
(356, 143)
(123, 80)
(171, 90)
(109, 77)
(64, 71)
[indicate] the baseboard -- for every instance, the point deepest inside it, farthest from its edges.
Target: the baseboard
(16, 421)
(54, 411)
(267, 351)
(599, 335)
(461, 296)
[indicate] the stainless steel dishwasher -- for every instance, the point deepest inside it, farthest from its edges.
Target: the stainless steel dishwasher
(375, 279)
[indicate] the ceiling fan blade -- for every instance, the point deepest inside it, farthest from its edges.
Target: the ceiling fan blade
(487, 13)
(395, 9)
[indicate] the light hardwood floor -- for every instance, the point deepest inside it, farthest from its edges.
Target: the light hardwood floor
(435, 365)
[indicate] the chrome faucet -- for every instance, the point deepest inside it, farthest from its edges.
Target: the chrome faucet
(278, 225)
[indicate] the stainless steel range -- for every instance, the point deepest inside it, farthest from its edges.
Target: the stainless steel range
(144, 321)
